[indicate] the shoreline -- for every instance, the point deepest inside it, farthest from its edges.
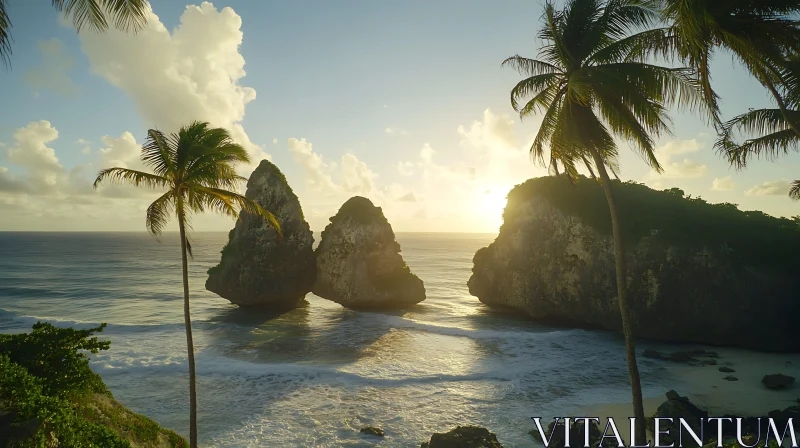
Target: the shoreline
(706, 388)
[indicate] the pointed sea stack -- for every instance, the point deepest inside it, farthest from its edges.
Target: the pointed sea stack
(359, 263)
(258, 267)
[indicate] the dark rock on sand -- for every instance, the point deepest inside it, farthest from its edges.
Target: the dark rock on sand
(463, 437)
(777, 381)
(724, 369)
(677, 407)
(730, 378)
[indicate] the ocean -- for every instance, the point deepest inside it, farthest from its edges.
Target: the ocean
(314, 376)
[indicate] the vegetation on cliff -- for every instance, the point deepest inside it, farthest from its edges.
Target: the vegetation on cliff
(50, 397)
(671, 216)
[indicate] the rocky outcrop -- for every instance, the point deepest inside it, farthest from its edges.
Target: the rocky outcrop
(697, 272)
(777, 381)
(463, 437)
(260, 268)
(359, 263)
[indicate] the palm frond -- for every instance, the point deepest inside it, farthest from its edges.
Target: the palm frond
(127, 14)
(133, 177)
(226, 203)
(5, 35)
(542, 87)
(794, 191)
(775, 136)
(159, 212)
(529, 67)
(159, 153)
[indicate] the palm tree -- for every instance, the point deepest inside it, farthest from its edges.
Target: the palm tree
(758, 33)
(126, 14)
(770, 129)
(591, 89)
(196, 168)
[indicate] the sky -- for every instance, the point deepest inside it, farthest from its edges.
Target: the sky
(404, 102)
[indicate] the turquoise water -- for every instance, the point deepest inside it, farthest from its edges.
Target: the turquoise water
(314, 376)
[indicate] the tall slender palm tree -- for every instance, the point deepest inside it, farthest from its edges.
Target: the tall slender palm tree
(196, 168)
(126, 15)
(592, 89)
(758, 33)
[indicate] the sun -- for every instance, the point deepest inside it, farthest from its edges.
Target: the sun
(491, 205)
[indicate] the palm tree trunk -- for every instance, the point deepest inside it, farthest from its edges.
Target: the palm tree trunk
(189, 344)
(622, 298)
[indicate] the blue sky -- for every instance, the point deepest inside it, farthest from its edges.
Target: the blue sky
(403, 102)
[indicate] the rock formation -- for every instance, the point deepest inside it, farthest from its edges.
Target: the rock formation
(463, 437)
(359, 263)
(697, 272)
(259, 268)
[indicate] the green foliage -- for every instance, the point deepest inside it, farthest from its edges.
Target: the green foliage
(49, 396)
(40, 372)
(57, 356)
(748, 236)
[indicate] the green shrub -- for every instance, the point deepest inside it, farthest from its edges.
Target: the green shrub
(49, 396)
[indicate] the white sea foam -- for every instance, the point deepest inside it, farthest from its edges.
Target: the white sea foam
(311, 377)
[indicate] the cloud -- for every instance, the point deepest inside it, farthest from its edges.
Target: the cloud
(683, 169)
(352, 175)
(31, 153)
(723, 184)
(121, 152)
(410, 197)
(53, 73)
(191, 73)
(772, 188)
(396, 131)
(317, 171)
(405, 168)
(495, 131)
(38, 171)
(488, 157)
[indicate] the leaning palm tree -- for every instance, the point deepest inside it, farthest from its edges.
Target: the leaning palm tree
(126, 15)
(196, 168)
(591, 90)
(758, 33)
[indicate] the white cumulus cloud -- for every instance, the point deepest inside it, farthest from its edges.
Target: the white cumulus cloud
(723, 184)
(190, 73)
(771, 188)
(678, 169)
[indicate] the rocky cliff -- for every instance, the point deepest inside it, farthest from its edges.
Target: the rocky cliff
(258, 267)
(699, 272)
(359, 263)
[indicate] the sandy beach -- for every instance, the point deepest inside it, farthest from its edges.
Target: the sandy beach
(708, 390)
